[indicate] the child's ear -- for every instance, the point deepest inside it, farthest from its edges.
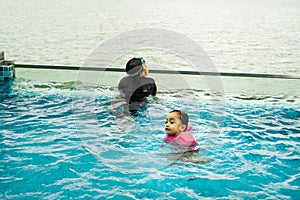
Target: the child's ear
(182, 127)
(143, 72)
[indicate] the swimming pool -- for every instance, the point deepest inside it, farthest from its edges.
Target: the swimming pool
(56, 144)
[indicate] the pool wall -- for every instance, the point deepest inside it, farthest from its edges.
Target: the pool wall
(6, 71)
(229, 84)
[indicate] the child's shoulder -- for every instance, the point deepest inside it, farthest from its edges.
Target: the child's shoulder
(186, 138)
(148, 79)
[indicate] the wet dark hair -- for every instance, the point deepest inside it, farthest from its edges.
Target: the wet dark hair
(134, 66)
(183, 117)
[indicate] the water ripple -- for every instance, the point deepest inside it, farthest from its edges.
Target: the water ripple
(53, 145)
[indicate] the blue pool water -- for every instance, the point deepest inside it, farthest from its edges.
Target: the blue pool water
(57, 144)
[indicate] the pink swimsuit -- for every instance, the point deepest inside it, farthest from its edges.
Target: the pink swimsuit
(184, 139)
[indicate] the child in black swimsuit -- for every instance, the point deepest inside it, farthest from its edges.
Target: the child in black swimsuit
(135, 87)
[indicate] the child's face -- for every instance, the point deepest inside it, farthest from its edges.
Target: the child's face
(173, 124)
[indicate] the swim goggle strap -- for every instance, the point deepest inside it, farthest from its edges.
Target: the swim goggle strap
(140, 70)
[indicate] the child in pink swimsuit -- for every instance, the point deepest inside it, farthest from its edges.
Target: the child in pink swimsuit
(178, 131)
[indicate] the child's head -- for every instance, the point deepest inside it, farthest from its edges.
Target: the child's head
(176, 122)
(137, 67)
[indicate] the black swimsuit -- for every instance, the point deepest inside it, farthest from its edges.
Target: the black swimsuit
(135, 90)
